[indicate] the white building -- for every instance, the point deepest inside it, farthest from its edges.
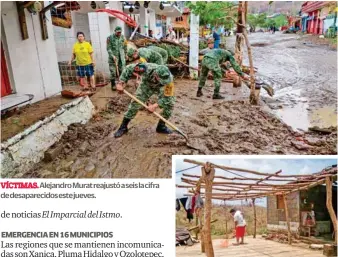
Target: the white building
(28, 66)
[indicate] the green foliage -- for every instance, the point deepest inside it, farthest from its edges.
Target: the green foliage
(261, 20)
(213, 13)
(255, 20)
(172, 50)
(280, 20)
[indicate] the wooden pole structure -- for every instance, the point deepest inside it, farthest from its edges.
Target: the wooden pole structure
(208, 174)
(200, 217)
(330, 207)
(196, 232)
(255, 219)
(246, 170)
(287, 218)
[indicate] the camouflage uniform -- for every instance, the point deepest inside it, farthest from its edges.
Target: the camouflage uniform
(161, 51)
(211, 61)
(164, 89)
(147, 55)
(116, 47)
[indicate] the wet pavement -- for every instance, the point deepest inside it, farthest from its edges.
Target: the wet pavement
(303, 74)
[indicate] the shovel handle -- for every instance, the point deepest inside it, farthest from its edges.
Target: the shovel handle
(156, 114)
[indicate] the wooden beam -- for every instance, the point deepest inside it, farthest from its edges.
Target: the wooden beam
(255, 219)
(27, 4)
(208, 175)
(239, 178)
(200, 217)
(240, 188)
(252, 185)
(42, 15)
(287, 218)
(43, 23)
(330, 207)
(22, 20)
(246, 171)
(316, 183)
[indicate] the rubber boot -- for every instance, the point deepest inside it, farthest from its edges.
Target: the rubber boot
(217, 96)
(113, 84)
(162, 128)
(123, 128)
(199, 92)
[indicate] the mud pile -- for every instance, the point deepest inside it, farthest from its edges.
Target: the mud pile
(118, 104)
(237, 127)
(213, 127)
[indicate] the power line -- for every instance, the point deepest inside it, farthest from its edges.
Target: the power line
(187, 169)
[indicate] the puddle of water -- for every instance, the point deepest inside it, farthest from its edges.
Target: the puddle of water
(297, 117)
(324, 117)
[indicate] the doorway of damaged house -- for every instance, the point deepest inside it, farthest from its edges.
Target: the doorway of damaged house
(309, 216)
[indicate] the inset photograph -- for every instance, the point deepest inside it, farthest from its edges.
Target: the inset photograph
(227, 206)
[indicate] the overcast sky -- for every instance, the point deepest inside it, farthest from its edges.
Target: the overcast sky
(288, 166)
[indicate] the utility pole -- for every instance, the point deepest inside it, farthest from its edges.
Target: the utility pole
(194, 45)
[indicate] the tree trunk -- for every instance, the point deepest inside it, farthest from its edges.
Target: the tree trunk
(330, 207)
(239, 36)
(287, 218)
(255, 219)
(253, 94)
(208, 174)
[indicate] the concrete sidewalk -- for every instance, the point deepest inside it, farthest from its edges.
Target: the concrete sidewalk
(258, 247)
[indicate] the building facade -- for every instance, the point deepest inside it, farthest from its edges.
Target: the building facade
(318, 16)
(307, 211)
(29, 66)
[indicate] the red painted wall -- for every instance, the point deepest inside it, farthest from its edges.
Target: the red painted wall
(5, 84)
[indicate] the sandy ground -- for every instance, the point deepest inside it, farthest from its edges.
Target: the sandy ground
(230, 126)
(252, 248)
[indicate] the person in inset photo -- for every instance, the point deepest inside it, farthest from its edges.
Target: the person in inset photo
(240, 225)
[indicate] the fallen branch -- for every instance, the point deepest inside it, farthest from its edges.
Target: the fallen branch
(174, 43)
(186, 65)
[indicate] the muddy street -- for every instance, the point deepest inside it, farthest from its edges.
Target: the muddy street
(303, 74)
(230, 126)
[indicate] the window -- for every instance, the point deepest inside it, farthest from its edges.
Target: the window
(280, 202)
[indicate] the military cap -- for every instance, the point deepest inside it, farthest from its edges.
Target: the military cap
(130, 52)
(118, 29)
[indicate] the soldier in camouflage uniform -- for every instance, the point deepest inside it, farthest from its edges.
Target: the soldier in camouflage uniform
(145, 55)
(117, 50)
(156, 79)
(161, 51)
(211, 61)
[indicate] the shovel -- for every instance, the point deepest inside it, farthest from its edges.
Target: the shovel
(156, 114)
